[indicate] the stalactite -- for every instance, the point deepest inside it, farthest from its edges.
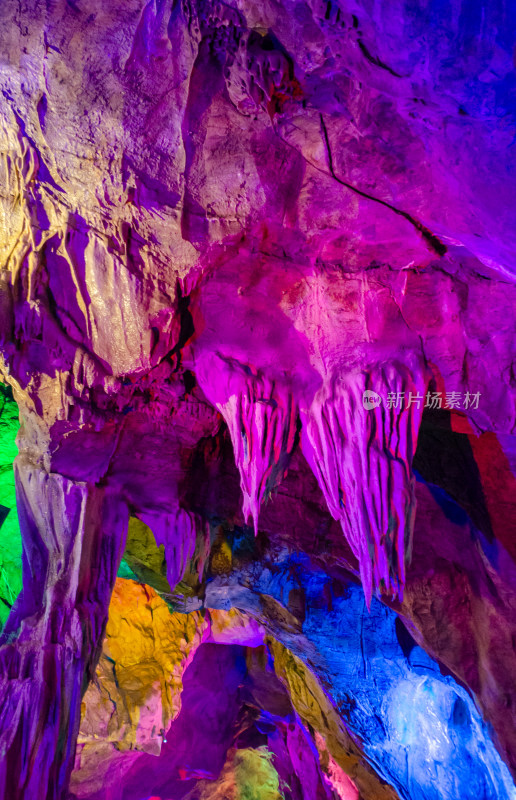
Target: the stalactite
(178, 531)
(261, 416)
(262, 425)
(362, 460)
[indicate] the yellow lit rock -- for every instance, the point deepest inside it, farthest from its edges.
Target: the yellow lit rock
(136, 693)
(138, 683)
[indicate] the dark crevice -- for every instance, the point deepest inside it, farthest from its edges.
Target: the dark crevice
(376, 61)
(445, 461)
(187, 328)
(433, 241)
(189, 381)
(4, 511)
(404, 637)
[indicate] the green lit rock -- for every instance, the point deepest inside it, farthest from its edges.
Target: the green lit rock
(10, 539)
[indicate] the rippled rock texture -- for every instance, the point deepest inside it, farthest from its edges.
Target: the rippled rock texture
(257, 311)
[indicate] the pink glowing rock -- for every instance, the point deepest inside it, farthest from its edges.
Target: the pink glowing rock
(361, 457)
(261, 417)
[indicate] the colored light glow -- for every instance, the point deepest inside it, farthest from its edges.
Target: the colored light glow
(450, 753)
(420, 729)
(255, 776)
(10, 537)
